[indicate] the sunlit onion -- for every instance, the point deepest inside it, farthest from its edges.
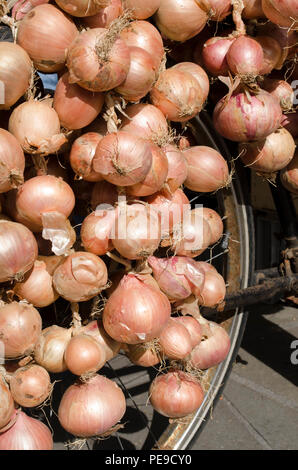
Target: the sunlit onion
(175, 341)
(30, 385)
(96, 330)
(50, 347)
(143, 354)
(282, 90)
(81, 8)
(177, 167)
(96, 230)
(213, 348)
(198, 73)
(12, 161)
(193, 327)
(82, 154)
(22, 7)
(193, 235)
(105, 16)
(215, 223)
(6, 403)
(214, 290)
(84, 355)
(141, 9)
(245, 56)
(289, 175)
(214, 55)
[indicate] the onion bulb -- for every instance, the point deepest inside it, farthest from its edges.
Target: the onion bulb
(84, 355)
(214, 55)
(175, 341)
(12, 161)
(96, 330)
(81, 8)
(143, 354)
(193, 327)
(214, 290)
(213, 348)
(6, 403)
(220, 9)
(245, 56)
(282, 90)
(104, 17)
(104, 193)
(96, 231)
(175, 394)
(215, 223)
(177, 167)
(135, 312)
(82, 154)
(91, 408)
(146, 121)
(30, 385)
(272, 52)
(50, 348)
(289, 175)
(198, 73)
(20, 327)
(252, 9)
(141, 9)
(281, 12)
(22, 7)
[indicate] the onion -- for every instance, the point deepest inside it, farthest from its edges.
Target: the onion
(281, 12)
(214, 290)
(26, 434)
(143, 354)
(20, 327)
(104, 193)
(96, 330)
(175, 340)
(12, 161)
(289, 175)
(193, 235)
(15, 73)
(213, 348)
(82, 154)
(140, 8)
(96, 231)
(220, 9)
(75, 106)
(245, 118)
(173, 275)
(245, 56)
(136, 233)
(22, 7)
(6, 403)
(282, 90)
(177, 167)
(286, 38)
(170, 208)
(50, 347)
(181, 20)
(81, 8)
(30, 385)
(135, 312)
(252, 9)
(105, 16)
(272, 52)
(41, 195)
(144, 35)
(80, 277)
(36, 126)
(214, 55)
(140, 76)
(37, 287)
(84, 355)
(91, 408)
(96, 61)
(198, 73)
(271, 154)
(46, 33)
(122, 158)
(193, 327)
(206, 267)
(215, 223)
(116, 277)
(156, 176)
(178, 95)
(175, 394)
(18, 250)
(290, 122)
(207, 169)
(146, 121)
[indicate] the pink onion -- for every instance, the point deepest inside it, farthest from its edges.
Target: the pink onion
(198, 73)
(146, 121)
(96, 330)
(6, 403)
(214, 55)
(105, 16)
(220, 9)
(281, 12)
(96, 231)
(143, 354)
(81, 8)
(245, 56)
(84, 355)
(30, 385)
(22, 7)
(193, 235)
(215, 223)
(213, 348)
(193, 327)
(214, 290)
(50, 348)
(282, 90)
(175, 341)
(177, 167)
(82, 154)
(141, 9)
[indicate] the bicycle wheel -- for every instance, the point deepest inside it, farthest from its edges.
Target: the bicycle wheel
(234, 258)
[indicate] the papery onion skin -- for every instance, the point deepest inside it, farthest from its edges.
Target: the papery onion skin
(81, 8)
(272, 54)
(12, 161)
(175, 394)
(135, 312)
(198, 73)
(175, 341)
(105, 16)
(177, 94)
(50, 347)
(177, 167)
(207, 169)
(220, 9)
(45, 33)
(245, 56)
(146, 121)
(282, 90)
(93, 69)
(6, 403)
(212, 350)
(20, 327)
(180, 20)
(143, 355)
(30, 385)
(15, 73)
(18, 250)
(241, 120)
(22, 7)
(96, 330)
(81, 156)
(193, 327)
(214, 290)
(95, 231)
(214, 55)
(91, 408)
(215, 222)
(75, 106)
(84, 355)
(289, 175)
(271, 154)
(26, 434)
(141, 9)
(122, 158)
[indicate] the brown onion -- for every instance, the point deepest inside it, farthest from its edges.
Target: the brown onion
(26, 434)
(282, 90)
(146, 121)
(198, 73)
(36, 126)
(81, 8)
(20, 327)
(213, 348)
(122, 158)
(214, 290)
(30, 385)
(178, 95)
(6, 403)
(177, 167)
(193, 235)
(96, 231)
(105, 16)
(15, 73)
(12, 161)
(181, 20)
(141, 9)
(289, 175)
(207, 169)
(84, 355)
(50, 347)
(245, 56)
(281, 12)
(97, 63)
(82, 154)
(271, 154)
(272, 54)
(75, 106)
(175, 341)
(175, 394)
(135, 312)
(243, 118)
(96, 330)
(215, 223)
(80, 277)
(214, 55)
(143, 354)
(252, 9)
(18, 250)
(220, 9)
(46, 33)
(104, 193)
